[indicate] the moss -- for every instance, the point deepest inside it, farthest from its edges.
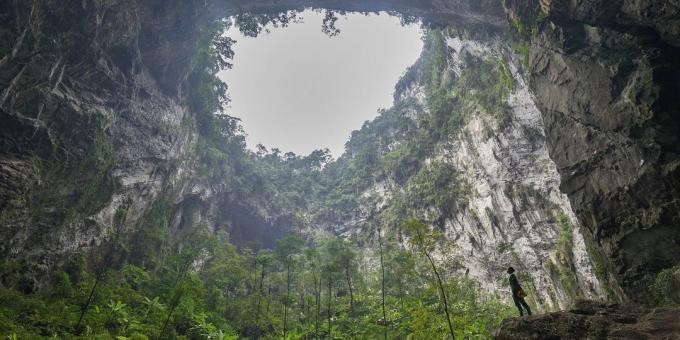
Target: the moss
(487, 85)
(563, 267)
(10, 272)
(522, 49)
(151, 240)
(599, 264)
(504, 247)
(102, 183)
(438, 185)
(435, 59)
(525, 29)
(665, 289)
(553, 296)
(119, 217)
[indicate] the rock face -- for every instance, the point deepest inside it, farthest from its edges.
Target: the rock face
(86, 131)
(591, 320)
(511, 212)
(516, 210)
(607, 73)
(94, 126)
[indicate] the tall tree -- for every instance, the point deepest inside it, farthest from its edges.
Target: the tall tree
(286, 249)
(329, 270)
(263, 259)
(382, 282)
(105, 259)
(424, 239)
(198, 239)
(312, 258)
(344, 258)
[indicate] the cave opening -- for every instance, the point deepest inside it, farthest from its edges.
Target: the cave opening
(510, 142)
(306, 83)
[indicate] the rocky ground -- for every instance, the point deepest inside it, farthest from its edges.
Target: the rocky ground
(595, 320)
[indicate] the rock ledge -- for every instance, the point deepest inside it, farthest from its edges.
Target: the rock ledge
(595, 320)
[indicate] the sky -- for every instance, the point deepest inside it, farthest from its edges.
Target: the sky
(299, 90)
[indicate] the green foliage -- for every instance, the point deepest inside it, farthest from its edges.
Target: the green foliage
(486, 86)
(665, 289)
(150, 243)
(252, 25)
(525, 28)
(437, 185)
(434, 60)
(102, 183)
(421, 235)
(409, 78)
(206, 93)
(218, 296)
(563, 266)
(598, 261)
(288, 247)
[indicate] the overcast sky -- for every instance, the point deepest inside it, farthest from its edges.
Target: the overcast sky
(300, 90)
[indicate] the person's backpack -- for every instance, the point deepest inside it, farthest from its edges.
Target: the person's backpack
(521, 293)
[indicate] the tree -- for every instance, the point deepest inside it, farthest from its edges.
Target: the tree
(330, 270)
(264, 259)
(105, 259)
(382, 282)
(286, 249)
(424, 239)
(312, 258)
(198, 239)
(343, 258)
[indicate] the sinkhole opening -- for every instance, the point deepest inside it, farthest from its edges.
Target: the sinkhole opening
(307, 83)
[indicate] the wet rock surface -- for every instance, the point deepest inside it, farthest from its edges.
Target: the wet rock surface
(595, 320)
(604, 74)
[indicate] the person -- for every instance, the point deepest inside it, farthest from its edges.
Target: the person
(518, 293)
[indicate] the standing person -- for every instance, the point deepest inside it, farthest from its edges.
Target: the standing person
(518, 293)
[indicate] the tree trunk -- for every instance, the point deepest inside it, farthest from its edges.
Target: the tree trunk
(101, 271)
(382, 268)
(317, 285)
(260, 291)
(88, 302)
(330, 295)
(175, 302)
(401, 295)
(285, 301)
(441, 290)
(351, 293)
(167, 319)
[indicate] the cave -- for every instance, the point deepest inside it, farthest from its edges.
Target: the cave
(104, 133)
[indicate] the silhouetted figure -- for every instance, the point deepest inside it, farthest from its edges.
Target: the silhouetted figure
(518, 293)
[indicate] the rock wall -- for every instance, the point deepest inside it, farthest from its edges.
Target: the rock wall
(86, 130)
(607, 72)
(516, 211)
(512, 212)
